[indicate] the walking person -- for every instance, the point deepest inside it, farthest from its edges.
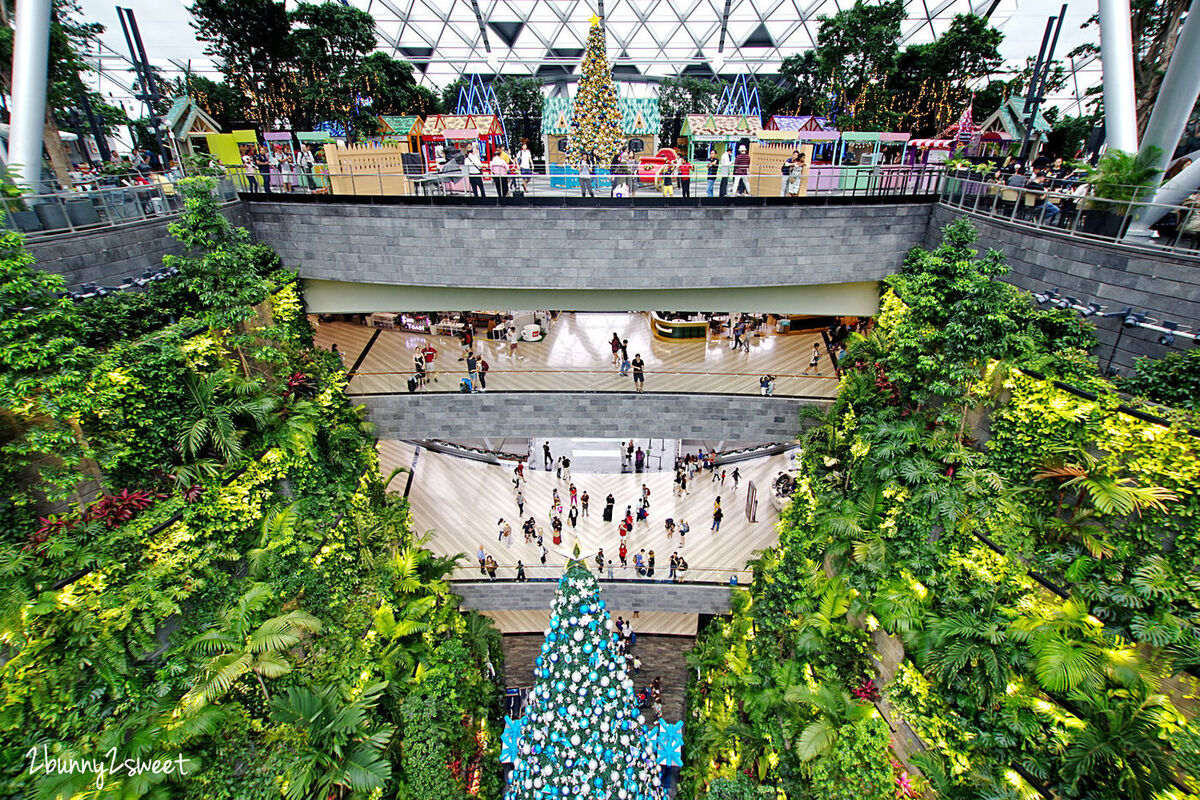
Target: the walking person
(639, 373)
(491, 568)
(520, 503)
(650, 564)
(573, 516)
(513, 337)
(499, 169)
(558, 466)
(573, 494)
(786, 170)
(814, 363)
(585, 176)
(609, 502)
(566, 464)
(737, 476)
(616, 349)
(482, 556)
(546, 455)
(525, 165)
(621, 553)
(583, 502)
(741, 173)
(473, 368)
(429, 352)
(484, 366)
(683, 530)
(475, 171)
(717, 515)
(646, 496)
(262, 163)
(726, 164)
(714, 164)
(500, 526)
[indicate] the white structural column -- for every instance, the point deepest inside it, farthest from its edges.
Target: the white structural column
(1171, 193)
(1176, 98)
(1116, 53)
(31, 48)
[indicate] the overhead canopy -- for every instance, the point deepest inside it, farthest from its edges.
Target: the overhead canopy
(933, 144)
(720, 127)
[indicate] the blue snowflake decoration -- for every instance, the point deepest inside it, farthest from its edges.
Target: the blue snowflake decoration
(669, 741)
(509, 739)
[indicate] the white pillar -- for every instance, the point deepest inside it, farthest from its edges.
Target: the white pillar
(1177, 94)
(1171, 193)
(31, 47)
(1116, 53)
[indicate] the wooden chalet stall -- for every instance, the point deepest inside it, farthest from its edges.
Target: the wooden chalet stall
(404, 130)
(706, 132)
(190, 125)
(455, 130)
(768, 152)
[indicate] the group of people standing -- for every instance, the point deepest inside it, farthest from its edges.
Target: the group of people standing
(280, 168)
(620, 351)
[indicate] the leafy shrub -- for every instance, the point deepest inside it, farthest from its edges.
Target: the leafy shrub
(1173, 380)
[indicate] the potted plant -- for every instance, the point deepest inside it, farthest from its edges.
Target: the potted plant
(18, 213)
(1116, 183)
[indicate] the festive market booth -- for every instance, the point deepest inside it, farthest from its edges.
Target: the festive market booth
(768, 152)
(280, 145)
(1008, 125)
(316, 140)
(447, 130)
(824, 173)
(189, 122)
(556, 130)
(797, 123)
(640, 123)
(229, 149)
(402, 130)
(707, 132)
(932, 151)
(863, 152)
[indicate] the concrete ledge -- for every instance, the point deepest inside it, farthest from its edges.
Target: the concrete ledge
(591, 246)
(747, 418)
(686, 598)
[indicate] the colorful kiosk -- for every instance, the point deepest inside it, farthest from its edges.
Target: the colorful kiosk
(316, 140)
(797, 123)
(863, 151)
(707, 132)
(453, 130)
(188, 122)
(404, 130)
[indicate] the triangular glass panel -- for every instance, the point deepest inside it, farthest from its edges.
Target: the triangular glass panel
(507, 31)
(759, 37)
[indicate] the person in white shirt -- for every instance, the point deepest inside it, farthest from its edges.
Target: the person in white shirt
(726, 168)
(499, 173)
(306, 161)
(525, 164)
(475, 171)
(251, 172)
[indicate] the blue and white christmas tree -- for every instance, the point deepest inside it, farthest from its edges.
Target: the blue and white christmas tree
(582, 735)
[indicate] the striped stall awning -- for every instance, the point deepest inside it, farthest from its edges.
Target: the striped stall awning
(933, 144)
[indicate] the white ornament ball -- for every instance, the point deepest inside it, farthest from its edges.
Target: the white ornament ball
(575, 740)
(579, 636)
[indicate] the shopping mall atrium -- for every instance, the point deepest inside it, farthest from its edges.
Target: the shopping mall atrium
(605, 399)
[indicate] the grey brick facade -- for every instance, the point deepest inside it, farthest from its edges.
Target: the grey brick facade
(748, 418)
(625, 595)
(591, 247)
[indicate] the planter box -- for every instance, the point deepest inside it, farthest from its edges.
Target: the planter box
(82, 213)
(25, 221)
(53, 216)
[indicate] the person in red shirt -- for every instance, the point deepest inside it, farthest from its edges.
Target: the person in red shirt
(622, 553)
(685, 177)
(741, 172)
(430, 353)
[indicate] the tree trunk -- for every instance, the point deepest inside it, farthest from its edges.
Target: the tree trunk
(55, 149)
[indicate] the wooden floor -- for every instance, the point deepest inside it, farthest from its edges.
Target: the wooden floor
(576, 356)
(461, 501)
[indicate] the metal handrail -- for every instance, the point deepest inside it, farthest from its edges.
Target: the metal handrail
(536, 572)
(1080, 215)
(72, 212)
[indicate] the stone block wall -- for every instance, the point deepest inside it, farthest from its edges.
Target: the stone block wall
(106, 256)
(590, 247)
(683, 598)
(747, 418)
(1164, 286)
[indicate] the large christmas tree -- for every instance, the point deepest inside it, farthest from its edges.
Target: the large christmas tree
(582, 736)
(596, 121)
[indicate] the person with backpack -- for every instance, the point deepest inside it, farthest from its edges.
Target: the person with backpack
(483, 370)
